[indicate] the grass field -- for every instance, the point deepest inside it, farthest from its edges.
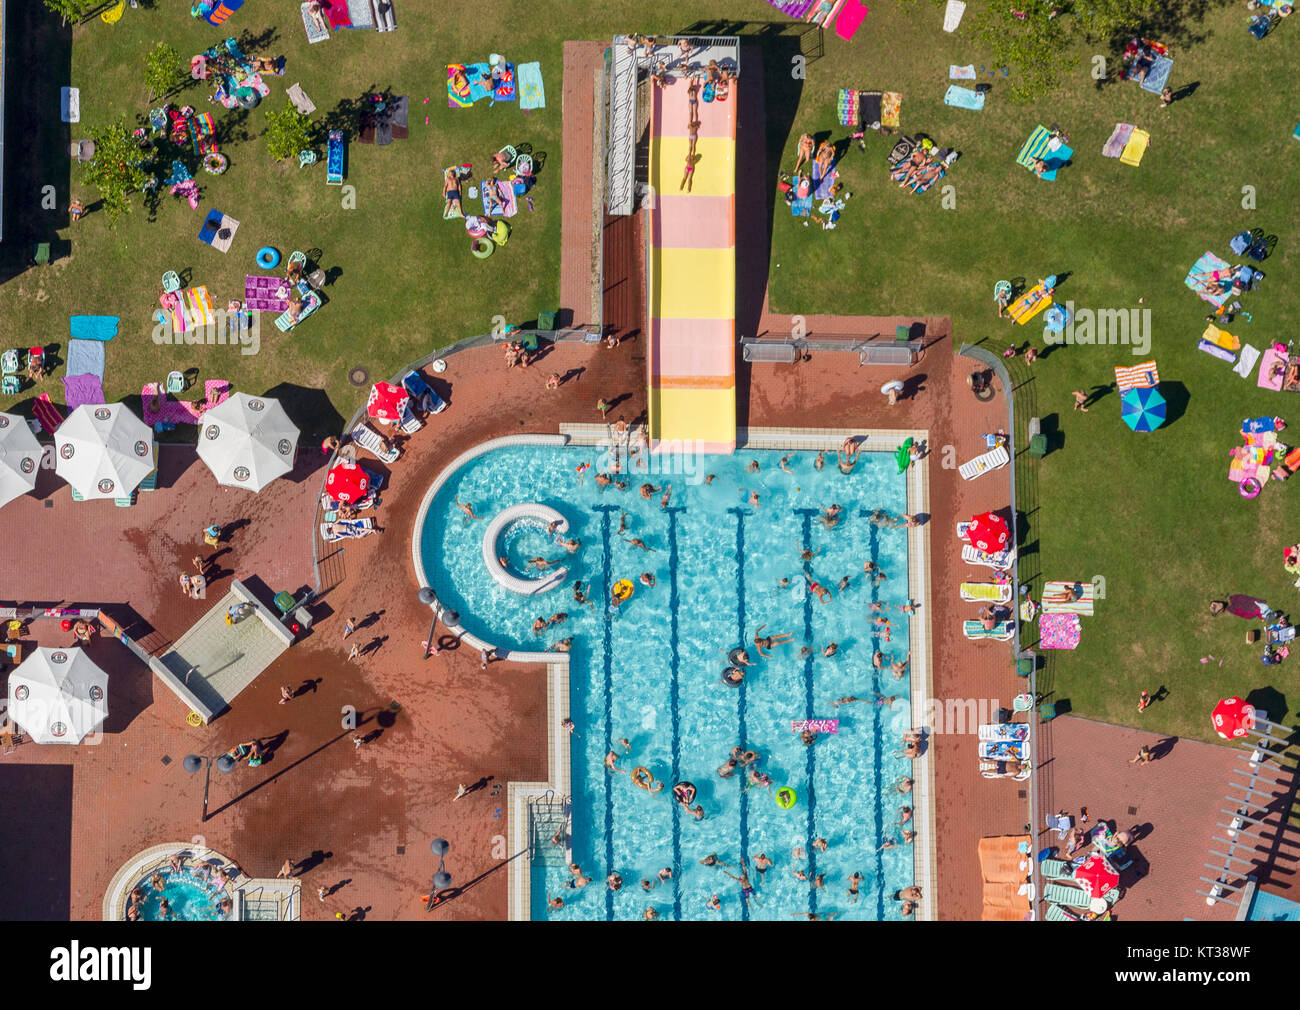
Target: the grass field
(1153, 515)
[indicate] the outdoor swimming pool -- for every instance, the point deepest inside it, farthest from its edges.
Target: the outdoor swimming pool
(650, 671)
(189, 899)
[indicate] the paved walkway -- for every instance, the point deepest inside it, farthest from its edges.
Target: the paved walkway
(583, 61)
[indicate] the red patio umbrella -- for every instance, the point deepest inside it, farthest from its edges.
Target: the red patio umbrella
(988, 532)
(1097, 876)
(1233, 718)
(347, 482)
(387, 402)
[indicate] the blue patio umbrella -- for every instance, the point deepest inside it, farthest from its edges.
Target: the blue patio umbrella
(1143, 409)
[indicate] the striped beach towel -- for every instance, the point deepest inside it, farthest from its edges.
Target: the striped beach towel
(1141, 376)
(1057, 598)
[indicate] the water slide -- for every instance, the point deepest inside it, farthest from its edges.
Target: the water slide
(692, 284)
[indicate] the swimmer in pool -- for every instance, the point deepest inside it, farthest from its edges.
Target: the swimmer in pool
(571, 545)
(855, 881)
(467, 509)
(733, 675)
(830, 517)
(622, 523)
(903, 785)
(899, 667)
(649, 490)
(563, 645)
(848, 456)
(663, 502)
(753, 499)
(614, 882)
(559, 618)
(752, 467)
(539, 625)
(727, 770)
(647, 579)
(818, 590)
(831, 649)
(762, 642)
(638, 542)
(578, 595)
(784, 461)
(807, 554)
(762, 864)
(820, 461)
(844, 583)
(611, 764)
(878, 660)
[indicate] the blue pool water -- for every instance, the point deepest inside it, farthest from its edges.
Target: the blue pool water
(1265, 907)
(650, 671)
(190, 900)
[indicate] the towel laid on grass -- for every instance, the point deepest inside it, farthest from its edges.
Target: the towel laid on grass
(1158, 76)
(1114, 147)
(966, 73)
(93, 327)
(360, 14)
(1039, 145)
(532, 92)
(86, 357)
(47, 415)
(181, 411)
(1249, 356)
(964, 98)
(1214, 292)
(822, 183)
(261, 293)
(315, 33)
(891, 109)
(1266, 378)
(801, 207)
(1059, 631)
(80, 389)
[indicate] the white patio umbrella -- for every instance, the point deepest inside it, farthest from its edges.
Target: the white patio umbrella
(103, 450)
(248, 441)
(20, 458)
(58, 695)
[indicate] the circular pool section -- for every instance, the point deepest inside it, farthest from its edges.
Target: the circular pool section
(510, 535)
(190, 894)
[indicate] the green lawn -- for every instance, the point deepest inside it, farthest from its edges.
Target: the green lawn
(1152, 514)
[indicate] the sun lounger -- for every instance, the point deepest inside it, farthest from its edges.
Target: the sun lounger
(1059, 598)
(986, 592)
(1056, 869)
(1003, 770)
(410, 424)
(975, 556)
(1004, 732)
(70, 105)
(346, 529)
(422, 395)
(370, 440)
(1055, 913)
(285, 321)
(994, 459)
(1135, 148)
(1000, 632)
(1068, 895)
(1003, 751)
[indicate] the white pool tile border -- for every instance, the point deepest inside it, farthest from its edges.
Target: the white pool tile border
(519, 795)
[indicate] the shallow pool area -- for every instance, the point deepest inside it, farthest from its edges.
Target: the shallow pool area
(189, 899)
(1265, 907)
(706, 577)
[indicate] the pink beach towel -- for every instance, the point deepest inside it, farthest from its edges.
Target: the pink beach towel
(181, 411)
(1058, 631)
(850, 19)
(1267, 360)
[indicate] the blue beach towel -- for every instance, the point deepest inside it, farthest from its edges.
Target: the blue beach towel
(93, 327)
(801, 207)
(1037, 147)
(532, 93)
(1205, 265)
(1158, 76)
(479, 76)
(964, 98)
(86, 357)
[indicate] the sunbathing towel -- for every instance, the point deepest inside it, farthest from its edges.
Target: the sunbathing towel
(1000, 632)
(457, 97)
(93, 327)
(1140, 376)
(79, 389)
(86, 357)
(891, 109)
(199, 306)
(361, 14)
(846, 107)
(964, 98)
(1059, 631)
(1249, 356)
(265, 293)
(986, 592)
(336, 13)
(70, 105)
(801, 206)
(869, 106)
(923, 184)
(1270, 376)
(385, 15)
(47, 415)
(1119, 137)
(300, 100)
(1042, 145)
(995, 459)
(1215, 351)
(503, 87)
(850, 19)
(1216, 292)
(499, 198)
(793, 8)
(966, 73)
(1059, 598)
(1221, 338)
(1158, 76)
(532, 92)
(1135, 148)
(952, 15)
(822, 183)
(315, 33)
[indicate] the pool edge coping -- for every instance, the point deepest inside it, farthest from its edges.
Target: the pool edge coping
(113, 908)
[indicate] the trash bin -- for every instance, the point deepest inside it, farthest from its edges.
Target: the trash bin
(1038, 446)
(1047, 711)
(284, 602)
(546, 320)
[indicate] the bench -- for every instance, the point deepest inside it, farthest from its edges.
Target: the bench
(886, 354)
(782, 353)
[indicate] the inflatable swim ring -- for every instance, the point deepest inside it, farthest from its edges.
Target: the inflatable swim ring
(642, 778)
(623, 589)
(214, 163)
(482, 248)
(684, 792)
(734, 656)
(268, 257)
(727, 678)
(194, 719)
(1249, 487)
(786, 797)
